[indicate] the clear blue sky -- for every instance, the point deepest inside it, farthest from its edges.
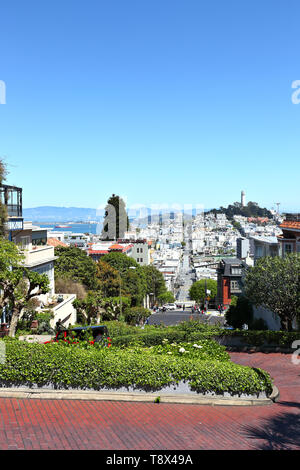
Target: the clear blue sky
(167, 101)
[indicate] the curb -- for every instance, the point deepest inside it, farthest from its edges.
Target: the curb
(141, 397)
(275, 394)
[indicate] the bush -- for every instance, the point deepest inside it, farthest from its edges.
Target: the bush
(73, 367)
(258, 324)
(240, 314)
(202, 350)
(136, 315)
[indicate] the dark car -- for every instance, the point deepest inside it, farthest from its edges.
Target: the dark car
(74, 335)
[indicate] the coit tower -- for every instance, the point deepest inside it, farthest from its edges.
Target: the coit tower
(243, 198)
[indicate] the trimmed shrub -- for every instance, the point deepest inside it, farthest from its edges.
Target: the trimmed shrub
(71, 367)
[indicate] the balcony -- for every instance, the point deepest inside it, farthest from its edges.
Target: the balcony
(34, 256)
(292, 217)
(11, 198)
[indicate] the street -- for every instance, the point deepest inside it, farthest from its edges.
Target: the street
(174, 317)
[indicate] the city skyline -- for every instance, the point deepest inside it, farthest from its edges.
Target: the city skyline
(169, 103)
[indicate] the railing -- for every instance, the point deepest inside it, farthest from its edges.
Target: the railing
(14, 210)
(38, 255)
(292, 217)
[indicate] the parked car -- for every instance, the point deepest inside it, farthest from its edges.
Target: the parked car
(170, 306)
(74, 335)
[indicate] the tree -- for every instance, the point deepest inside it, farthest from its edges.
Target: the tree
(108, 279)
(134, 285)
(73, 263)
(94, 307)
(136, 315)
(239, 313)
(156, 284)
(18, 285)
(166, 298)
(274, 283)
(197, 290)
(116, 221)
(89, 308)
(119, 261)
(67, 286)
(131, 276)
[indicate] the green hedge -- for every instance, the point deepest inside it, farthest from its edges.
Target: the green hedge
(73, 367)
(193, 331)
(282, 339)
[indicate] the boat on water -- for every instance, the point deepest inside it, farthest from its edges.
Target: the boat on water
(63, 226)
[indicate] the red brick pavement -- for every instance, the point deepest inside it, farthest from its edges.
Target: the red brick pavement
(80, 424)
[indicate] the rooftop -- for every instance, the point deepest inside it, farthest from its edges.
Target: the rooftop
(290, 224)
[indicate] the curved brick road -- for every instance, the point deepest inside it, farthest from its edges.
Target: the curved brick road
(63, 424)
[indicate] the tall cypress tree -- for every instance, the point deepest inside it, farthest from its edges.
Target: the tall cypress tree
(116, 221)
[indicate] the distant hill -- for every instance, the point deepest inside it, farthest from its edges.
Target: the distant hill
(250, 210)
(78, 214)
(61, 214)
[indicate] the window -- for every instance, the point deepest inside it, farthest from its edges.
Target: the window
(234, 286)
(141, 250)
(24, 242)
(287, 248)
(141, 260)
(236, 271)
(39, 241)
(258, 251)
(137, 250)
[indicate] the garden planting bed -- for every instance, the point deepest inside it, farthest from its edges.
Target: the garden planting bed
(189, 371)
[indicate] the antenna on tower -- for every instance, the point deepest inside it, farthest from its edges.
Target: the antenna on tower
(278, 204)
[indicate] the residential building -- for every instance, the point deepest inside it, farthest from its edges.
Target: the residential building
(39, 256)
(136, 249)
(289, 241)
(230, 273)
(264, 246)
(242, 248)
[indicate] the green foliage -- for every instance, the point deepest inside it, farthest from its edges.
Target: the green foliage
(73, 263)
(108, 279)
(100, 368)
(197, 290)
(119, 261)
(250, 210)
(201, 350)
(193, 331)
(166, 297)
(18, 285)
(239, 314)
(274, 283)
(258, 324)
(136, 315)
(155, 280)
(90, 307)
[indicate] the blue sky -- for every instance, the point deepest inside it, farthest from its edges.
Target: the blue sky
(175, 102)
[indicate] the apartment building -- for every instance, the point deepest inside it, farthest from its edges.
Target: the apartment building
(138, 249)
(230, 274)
(39, 256)
(289, 241)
